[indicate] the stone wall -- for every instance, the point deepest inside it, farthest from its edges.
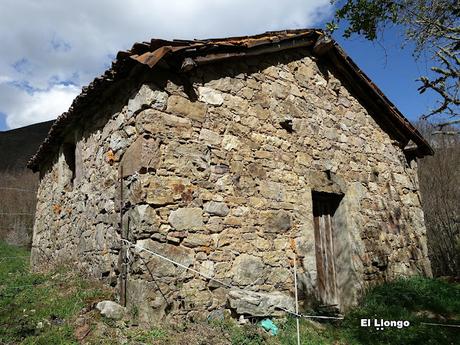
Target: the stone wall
(219, 166)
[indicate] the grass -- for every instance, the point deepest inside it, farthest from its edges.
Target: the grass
(38, 308)
(148, 336)
(415, 299)
(310, 333)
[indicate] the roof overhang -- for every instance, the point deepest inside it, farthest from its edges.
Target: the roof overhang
(184, 55)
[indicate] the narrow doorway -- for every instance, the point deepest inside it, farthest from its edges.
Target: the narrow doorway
(324, 207)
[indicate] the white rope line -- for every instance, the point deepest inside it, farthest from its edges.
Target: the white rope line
(296, 299)
(320, 317)
(439, 324)
(222, 283)
(210, 278)
(176, 263)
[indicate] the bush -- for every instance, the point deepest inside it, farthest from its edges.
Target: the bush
(414, 299)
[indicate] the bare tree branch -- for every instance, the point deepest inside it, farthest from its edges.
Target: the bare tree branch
(432, 25)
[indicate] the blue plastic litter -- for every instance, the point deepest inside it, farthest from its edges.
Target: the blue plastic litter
(269, 326)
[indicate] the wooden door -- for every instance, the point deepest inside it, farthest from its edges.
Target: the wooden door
(324, 206)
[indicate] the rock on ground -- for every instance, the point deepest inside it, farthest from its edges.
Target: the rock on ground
(111, 310)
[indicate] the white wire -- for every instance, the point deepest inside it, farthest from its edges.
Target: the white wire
(439, 324)
(224, 284)
(176, 263)
(296, 299)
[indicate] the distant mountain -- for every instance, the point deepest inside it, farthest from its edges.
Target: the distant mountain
(18, 145)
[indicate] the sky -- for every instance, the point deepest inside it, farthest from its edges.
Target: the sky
(51, 48)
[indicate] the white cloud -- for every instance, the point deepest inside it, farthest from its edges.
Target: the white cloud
(53, 41)
(23, 108)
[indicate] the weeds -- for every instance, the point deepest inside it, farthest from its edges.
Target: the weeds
(147, 336)
(42, 309)
(244, 335)
(38, 308)
(415, 299)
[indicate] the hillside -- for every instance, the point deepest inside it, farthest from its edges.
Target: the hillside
(17, 146)
(18, 185)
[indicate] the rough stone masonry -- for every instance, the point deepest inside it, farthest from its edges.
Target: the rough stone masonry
(221, 167)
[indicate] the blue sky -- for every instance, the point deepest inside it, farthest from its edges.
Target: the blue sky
(2, 122)
(51, 52)
(394, 70)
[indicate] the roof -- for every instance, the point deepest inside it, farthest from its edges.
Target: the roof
(185, 55)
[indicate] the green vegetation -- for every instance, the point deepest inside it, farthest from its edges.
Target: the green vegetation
(147, 336)
(416, 300)
(38, 308)
(310, 333)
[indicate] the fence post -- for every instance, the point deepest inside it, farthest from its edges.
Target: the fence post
(293, 246)
(124, 247)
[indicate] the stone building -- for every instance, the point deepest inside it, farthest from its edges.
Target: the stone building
(230, 156)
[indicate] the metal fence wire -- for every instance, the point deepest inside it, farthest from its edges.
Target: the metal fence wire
(132, 245)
